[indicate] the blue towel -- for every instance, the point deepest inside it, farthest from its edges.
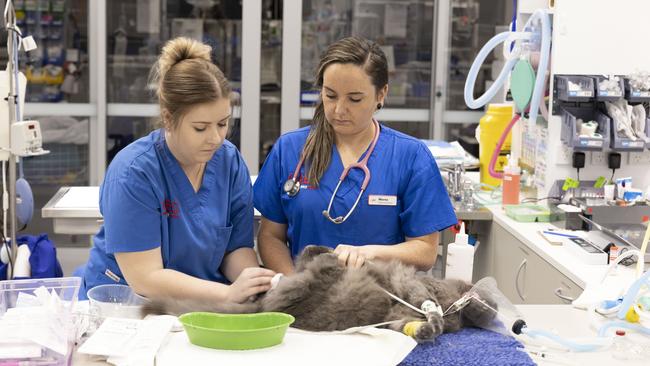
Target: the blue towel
(469, 346)
(42, 260)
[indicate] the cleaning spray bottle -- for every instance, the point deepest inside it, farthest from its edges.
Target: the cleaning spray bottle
(460, 257)
(511, 180)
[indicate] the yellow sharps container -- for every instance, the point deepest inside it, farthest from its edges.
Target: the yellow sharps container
(492, 125)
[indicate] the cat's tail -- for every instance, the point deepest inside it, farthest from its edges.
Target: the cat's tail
(178, 307)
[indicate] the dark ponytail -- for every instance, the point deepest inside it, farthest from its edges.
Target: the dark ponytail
(351, 50)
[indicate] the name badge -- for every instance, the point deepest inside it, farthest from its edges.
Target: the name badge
(380, 200)
(112, 275)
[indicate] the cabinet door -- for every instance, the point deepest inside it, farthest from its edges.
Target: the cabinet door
(546, 285)
(510, 264)
(524, 277)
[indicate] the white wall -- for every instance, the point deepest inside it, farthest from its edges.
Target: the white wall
(596, 37)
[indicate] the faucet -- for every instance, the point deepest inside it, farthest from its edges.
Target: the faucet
(455, 182)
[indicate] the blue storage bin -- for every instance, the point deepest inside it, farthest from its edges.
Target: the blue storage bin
(604, 95)
(569, 133)
(568, 93)
(635, 96)
(622, 143)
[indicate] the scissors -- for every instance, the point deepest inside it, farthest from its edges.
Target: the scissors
(292, 186)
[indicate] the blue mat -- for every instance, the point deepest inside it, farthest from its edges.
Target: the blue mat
(469, 346)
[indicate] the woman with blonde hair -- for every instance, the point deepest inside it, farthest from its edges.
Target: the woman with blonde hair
(177, 204)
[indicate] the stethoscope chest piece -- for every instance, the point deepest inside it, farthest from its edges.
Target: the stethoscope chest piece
(291, 187)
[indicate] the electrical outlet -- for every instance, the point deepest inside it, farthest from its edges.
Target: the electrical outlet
(598, 158)
(639, 158)
(564, 156)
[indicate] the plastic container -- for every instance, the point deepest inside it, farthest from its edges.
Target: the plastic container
(635, 96)
(532, 213)
(236, 331)
(511, 182)
(623, 143)
(460, 258)
(12, 293)
(605, 95)
(574, 88)
(570, 134)
(492, 124)
(116, 301)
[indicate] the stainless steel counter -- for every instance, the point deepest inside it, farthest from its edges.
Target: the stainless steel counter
(74, 210)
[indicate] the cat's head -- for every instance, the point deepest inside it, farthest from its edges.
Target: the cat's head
(309, 253)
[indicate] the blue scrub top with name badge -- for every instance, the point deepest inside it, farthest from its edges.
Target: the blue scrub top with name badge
(405, 196)
(147, 202)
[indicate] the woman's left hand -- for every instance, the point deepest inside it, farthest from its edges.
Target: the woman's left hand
(353, 256)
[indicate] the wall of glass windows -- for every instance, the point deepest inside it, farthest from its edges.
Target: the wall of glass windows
(88, 82)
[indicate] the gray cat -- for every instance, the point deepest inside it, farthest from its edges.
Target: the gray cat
(324, 296)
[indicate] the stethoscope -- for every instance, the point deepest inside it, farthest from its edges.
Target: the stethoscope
(292, 186)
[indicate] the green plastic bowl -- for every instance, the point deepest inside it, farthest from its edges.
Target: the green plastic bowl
(236, 331)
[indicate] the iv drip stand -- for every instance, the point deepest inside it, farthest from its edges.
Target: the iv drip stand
(10, 21)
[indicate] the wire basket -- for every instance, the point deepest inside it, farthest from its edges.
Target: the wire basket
(66, 164)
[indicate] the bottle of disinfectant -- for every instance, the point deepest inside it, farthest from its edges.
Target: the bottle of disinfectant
(511, 181)
(460, 257)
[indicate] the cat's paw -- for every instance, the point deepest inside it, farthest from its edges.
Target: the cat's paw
(438, 324)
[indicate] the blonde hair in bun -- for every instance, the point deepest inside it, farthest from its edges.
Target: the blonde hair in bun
(184, 76)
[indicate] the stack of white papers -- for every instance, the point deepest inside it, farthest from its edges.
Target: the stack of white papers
(129, 342)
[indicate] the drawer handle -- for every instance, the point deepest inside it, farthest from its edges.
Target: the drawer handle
(558, 293)
(519, 292)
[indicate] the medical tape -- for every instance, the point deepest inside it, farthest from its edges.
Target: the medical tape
(430, 308)
(411, 328)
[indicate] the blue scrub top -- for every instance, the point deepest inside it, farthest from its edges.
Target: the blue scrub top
(147, 202)
(402, 171)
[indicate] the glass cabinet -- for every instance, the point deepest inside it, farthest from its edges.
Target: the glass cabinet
(58, 95)
(403, 29)
(471, 24)
(57, 70)
(137, 31)
(89, 79)
(407, 30)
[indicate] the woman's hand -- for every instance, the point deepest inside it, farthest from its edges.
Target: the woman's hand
(353, 256)
(250, 282)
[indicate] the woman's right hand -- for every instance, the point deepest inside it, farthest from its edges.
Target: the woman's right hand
(251, 281)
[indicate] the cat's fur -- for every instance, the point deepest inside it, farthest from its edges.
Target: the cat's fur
(322, 295)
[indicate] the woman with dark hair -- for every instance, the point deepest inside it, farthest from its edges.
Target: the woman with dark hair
(347, 181)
